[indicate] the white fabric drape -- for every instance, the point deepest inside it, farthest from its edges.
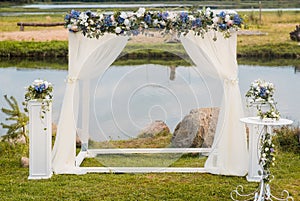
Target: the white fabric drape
(229, 154)
(87, 58)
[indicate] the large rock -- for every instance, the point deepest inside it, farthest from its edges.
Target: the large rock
(197, 129)
(153, 129)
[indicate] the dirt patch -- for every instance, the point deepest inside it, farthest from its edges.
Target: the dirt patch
(42, 35)
(61, 34)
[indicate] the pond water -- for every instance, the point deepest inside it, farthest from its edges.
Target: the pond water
(126, 98)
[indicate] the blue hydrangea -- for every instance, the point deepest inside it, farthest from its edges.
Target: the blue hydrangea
(121, 20)
(197, 22)
(184, 17)
(237, 20)
(165, 15)
(148, 19)
(75, 14)
(107, 20)
(222, 26)
(222, 14)
(263, 92)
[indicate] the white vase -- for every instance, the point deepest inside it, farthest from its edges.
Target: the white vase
(40, 139)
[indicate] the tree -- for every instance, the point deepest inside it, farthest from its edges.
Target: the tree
(18, 127)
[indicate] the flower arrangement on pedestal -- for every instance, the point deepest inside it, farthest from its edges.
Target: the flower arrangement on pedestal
(260, 95)
(39, 90)
(95, 24)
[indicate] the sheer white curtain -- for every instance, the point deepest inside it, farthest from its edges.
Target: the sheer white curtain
(87, 58)
(229, 154)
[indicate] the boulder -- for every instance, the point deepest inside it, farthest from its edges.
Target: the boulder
(197, 129)
(25, 162)
(153, 129)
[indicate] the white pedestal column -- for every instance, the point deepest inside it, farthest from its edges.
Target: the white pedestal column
(254, 167)
(40, 140)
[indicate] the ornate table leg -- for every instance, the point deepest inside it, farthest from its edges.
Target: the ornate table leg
(266, 160)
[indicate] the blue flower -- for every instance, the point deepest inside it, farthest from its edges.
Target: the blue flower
(222, 26)
(67, 17)
(263, 92)
(75, 14)
(184, 17)
(197, 23)
(148, 19)
(222, 14)
(121, 20)
(165, 15)
(40, 88)
(107, 20)
(237, 20)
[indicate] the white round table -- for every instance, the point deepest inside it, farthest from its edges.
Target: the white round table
(258, 130)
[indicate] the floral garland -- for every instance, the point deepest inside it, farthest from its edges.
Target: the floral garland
(95, 24)
(261, 94)
(39, 90)
(267, 158)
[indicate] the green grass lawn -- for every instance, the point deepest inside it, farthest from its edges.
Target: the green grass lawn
(14, 184)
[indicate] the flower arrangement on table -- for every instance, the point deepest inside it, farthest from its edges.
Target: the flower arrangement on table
(95, 24)
(261, 95)
(39, 90)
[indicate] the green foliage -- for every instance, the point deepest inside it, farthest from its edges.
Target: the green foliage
(50, 49)
(279, 50)
(288, 139)
(18, 127)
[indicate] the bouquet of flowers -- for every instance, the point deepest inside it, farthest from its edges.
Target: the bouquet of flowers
(260, 95)
(260, 92)
(39, 90)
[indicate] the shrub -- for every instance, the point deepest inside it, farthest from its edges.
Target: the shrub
(288, 139)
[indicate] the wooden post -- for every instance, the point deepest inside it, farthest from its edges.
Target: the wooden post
(260, 6)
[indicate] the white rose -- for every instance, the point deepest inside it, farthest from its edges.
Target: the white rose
(46, 84)
(130, 14)
(171, 16)
(126, 22)
(123, 15)
(216, 20)
(227, 18)
(101, 16)
(37, 82)
(118, 30)
(191, 17)
(140, 12)
(266, 149)
(112, 18)
(207, 12)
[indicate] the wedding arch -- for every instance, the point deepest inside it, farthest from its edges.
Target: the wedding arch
(96, 40)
